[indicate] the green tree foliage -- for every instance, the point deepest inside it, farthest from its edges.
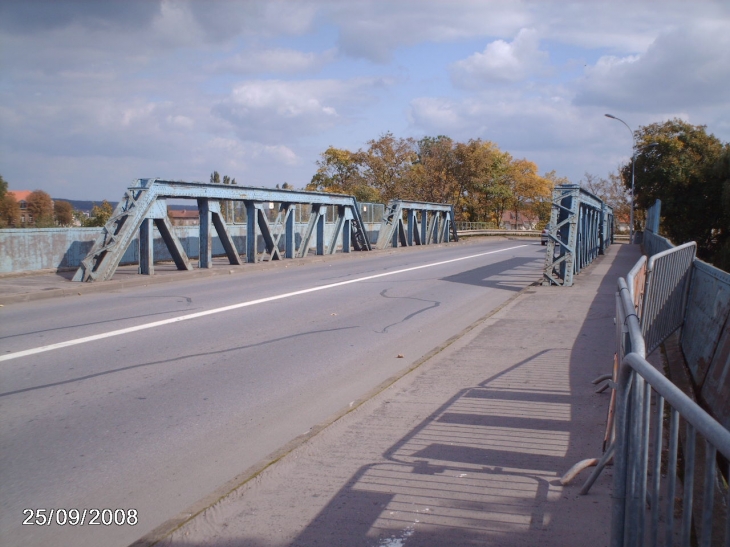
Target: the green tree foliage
(40, 206)
(99, 214)
(720, 173)
(63, 212)
(685, 167)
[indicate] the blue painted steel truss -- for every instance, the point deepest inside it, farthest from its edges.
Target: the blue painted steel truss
(144, 204)
(581, 228)
(416, 223)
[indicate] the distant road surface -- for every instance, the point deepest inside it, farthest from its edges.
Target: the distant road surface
(151, 398)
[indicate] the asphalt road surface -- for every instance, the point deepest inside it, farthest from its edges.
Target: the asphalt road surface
(146, 400)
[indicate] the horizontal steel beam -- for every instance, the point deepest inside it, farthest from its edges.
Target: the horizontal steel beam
(233, 192)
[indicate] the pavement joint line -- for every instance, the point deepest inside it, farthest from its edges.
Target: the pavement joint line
(175, 523)
(180, 318)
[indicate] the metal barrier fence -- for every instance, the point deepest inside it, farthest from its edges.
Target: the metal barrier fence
(581, 228)
(665, 293)
(705, 334)
(634, 463)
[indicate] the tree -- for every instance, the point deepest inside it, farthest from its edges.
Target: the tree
(680, 168)
(63, 212)
(481, 169)
(720, 172)
(9, 208)
(9, 211)
(99, 214)
(40, 206)
(526, 185)
(612, 191)
(226, 205)
(387, 163)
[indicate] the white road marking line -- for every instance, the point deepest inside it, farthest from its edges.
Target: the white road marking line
(119, 332)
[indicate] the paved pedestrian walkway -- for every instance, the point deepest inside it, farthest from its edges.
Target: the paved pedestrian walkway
(467, 449)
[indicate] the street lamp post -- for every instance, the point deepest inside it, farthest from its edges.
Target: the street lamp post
(633, 163)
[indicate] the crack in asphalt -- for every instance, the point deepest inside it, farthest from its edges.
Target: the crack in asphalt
(435, 304)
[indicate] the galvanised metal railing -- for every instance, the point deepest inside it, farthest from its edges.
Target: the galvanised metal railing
(462, 226)
(634, 463)
(665, 294)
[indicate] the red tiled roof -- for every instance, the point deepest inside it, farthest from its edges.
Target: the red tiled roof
(182, 213)
(20, 194)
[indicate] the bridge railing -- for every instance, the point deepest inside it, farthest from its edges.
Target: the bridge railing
(636, 464)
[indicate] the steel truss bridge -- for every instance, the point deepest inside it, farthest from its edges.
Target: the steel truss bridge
(581, 228)
(424, 223)
(144, 206)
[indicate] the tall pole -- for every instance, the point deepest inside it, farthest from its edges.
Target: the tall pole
(633, 163)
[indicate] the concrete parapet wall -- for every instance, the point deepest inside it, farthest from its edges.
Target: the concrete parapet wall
(705, 338)
(30, 249)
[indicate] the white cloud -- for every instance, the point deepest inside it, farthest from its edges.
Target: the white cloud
(280, 60)
(275, 111)
(682, 69)
(374, 29)
(502, 61)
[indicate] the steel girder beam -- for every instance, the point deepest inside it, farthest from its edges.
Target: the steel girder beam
(158, 216)
(435, 226)
(144, 201)
(581, 228)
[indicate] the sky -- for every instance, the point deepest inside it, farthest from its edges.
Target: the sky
(95, 94)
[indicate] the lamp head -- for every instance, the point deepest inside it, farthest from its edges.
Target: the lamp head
(610, 116)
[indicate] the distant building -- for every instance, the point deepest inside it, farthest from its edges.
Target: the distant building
(21, 196)
(183, 217)
(521, 221)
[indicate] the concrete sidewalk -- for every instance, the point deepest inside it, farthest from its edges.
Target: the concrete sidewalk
(466, 449)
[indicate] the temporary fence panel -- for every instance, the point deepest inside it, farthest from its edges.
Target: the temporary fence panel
(145, 203)
(581, 228)
(643, 474)
(416, 223)
(665, 295)
(634, 463)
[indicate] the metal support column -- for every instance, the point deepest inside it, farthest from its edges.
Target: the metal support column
(146, 258)
(252, 234)
(205, 256)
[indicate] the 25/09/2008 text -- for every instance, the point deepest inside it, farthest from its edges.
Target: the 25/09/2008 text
(80, 517)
